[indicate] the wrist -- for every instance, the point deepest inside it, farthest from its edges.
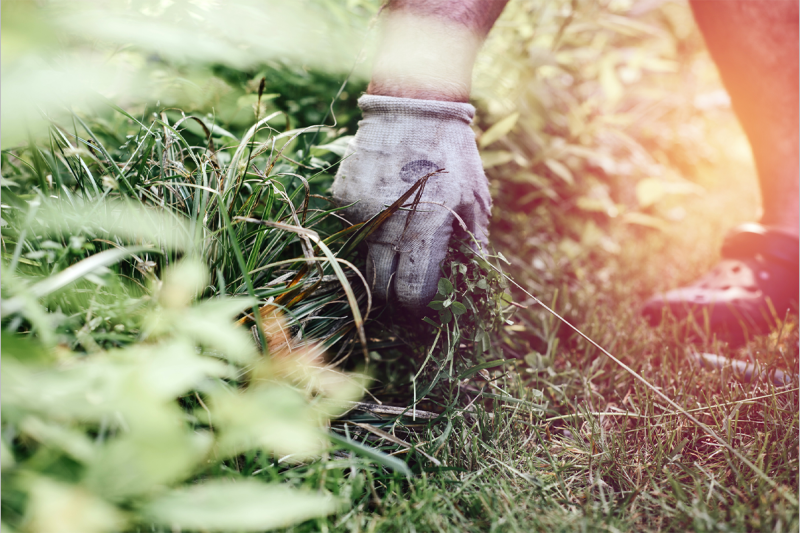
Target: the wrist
(419, 88)
(425, 58)
(377, 107)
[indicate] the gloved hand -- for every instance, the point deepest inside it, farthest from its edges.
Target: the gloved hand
(399, 141)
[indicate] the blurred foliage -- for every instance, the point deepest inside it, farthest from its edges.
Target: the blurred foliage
(116, 388)
(125, 406)
(103, 227)
(99, 439)
(595, 113)
(157, 50)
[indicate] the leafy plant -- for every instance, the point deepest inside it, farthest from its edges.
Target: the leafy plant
(99, 440)
(122, 395)
(596, 114)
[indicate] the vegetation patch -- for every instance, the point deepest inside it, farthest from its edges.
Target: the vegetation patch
(189, 344)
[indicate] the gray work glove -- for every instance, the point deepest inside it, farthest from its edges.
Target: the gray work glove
(398, 141)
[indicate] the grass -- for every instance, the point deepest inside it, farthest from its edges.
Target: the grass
(495, 416)
(563, 438)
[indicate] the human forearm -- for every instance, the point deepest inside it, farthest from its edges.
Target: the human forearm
(428, 47)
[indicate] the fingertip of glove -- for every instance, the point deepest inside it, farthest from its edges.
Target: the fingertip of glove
(417, 302)
(381, 269)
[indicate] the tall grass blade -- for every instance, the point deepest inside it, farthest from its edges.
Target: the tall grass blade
(72, 274)
(392, 463)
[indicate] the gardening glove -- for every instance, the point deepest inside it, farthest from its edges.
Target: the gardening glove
(400, 140)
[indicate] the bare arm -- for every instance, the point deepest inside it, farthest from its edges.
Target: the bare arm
(428, 47)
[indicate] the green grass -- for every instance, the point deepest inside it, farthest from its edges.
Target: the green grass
(504, 419)
(565, 439)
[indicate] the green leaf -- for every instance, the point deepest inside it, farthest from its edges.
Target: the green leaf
(75, 443)
(218, 131)
(6, 456)
(431, 322)
(24, 349)
(272, 417)
(73, 273)
(122, 383)
(209, 324)
(445, 316)
(157, 450)
(393, 463)
(242, 505)
(560, 169)
(171, 369)
(488, 364)
(486, 342)
(56, 506)
(495, 158)
(337, 269)
(498, 130)
(236, 160)
(182, 282)
(132, 223)
(642, 219)
(445, 287)
(458, 308)
(338, 146)
(224, 309)
(533, 359)
(436, 305)
(251, 100)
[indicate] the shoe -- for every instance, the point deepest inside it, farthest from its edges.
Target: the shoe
(755, 283)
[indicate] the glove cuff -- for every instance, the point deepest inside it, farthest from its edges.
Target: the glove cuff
(375, 105)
